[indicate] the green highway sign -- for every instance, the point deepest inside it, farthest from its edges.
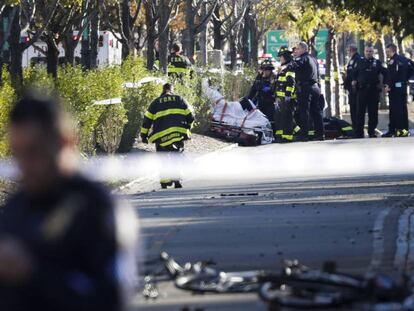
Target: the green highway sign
(320, 42)
(274, 40)
(277, 38)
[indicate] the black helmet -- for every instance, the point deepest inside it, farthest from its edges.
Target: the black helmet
(285, 51)
(267, 65)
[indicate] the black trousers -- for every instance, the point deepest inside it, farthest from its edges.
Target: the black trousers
(398, 109)
(284, 117)
(268, 109)
(367, 99)
(309, 107)
(352, 101)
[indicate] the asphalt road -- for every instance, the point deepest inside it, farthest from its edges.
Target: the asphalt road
(361, 222)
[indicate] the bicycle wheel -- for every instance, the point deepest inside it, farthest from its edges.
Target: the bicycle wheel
(305, 298)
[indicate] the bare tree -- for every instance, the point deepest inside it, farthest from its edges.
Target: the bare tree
(158, 16)
(196, 10)
(124, 22)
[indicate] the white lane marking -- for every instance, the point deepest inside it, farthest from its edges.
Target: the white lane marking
(404, 257)
(378, 240)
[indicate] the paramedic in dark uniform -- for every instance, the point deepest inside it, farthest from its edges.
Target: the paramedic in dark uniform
(398, 75)
(308, 93)
(262, 92)
(366, 80)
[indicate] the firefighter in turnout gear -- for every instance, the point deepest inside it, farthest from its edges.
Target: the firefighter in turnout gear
(399, 69)
(170, 118)
(178, 65)
(262, 92)
(285, 88)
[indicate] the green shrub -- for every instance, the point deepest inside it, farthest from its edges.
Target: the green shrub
(115, 127)
(7, 97)
(110, 127)
(136, 102)
(79, 90)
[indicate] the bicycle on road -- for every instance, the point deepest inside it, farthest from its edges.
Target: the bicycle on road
(295, 286)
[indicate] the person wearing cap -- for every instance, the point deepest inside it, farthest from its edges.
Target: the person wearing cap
(262, 91)
(284, 90)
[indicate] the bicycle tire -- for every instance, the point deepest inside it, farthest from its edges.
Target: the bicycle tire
(286, 296)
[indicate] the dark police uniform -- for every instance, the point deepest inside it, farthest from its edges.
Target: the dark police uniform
(308, 95)
(263, 94)
(285, 88)
(170, 118)
(178, 66)
(398, 75)
(70, 232)
(352, 92)
(367, 74)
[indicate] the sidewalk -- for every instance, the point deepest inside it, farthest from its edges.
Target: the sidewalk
(383, 118)
(199, 145)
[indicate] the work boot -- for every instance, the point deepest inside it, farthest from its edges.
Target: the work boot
(403, 133)
(177, 184)
(388, 134)
(165, 185)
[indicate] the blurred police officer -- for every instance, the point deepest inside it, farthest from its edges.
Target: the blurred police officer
(367, 82)
(178, 65)
(263, 91)
(60, 241)
(308, 93)
(170, 118)
(398, 75)
(354, 57)
(285, 88)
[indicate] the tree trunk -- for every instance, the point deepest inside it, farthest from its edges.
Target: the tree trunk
(69, 47)
(52, 57)
(164, 34)
(255, 41)
(380, 46)
(16, 52)
(189, 32)
(150, 24)
(233, 52)
(246, 37)
(328, 83)
(85, 48)
(337, 76)
(217, 36)
(94, 40)
(204, 38)
(126, 29)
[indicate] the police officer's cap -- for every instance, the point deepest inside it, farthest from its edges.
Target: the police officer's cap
(283, 51)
